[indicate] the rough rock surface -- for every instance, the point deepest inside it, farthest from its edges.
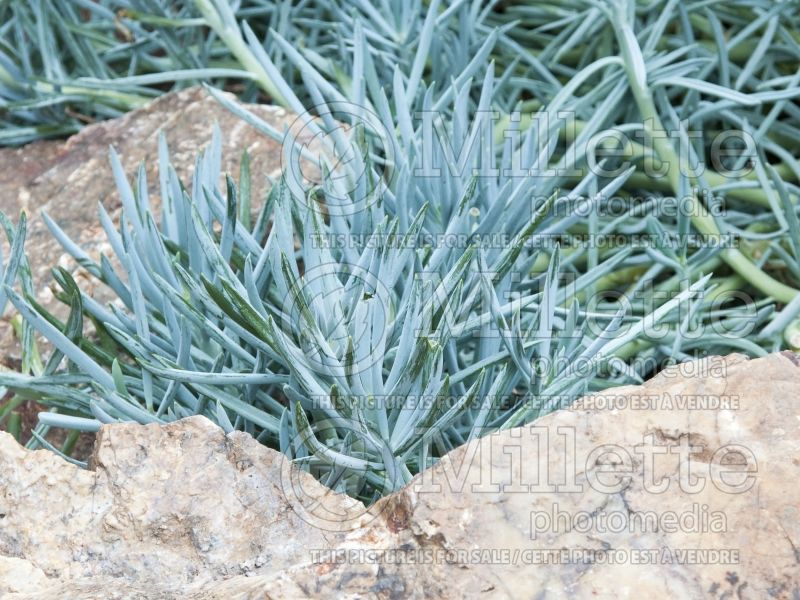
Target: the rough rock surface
(68, 178)
(684, 487)
(161, 504)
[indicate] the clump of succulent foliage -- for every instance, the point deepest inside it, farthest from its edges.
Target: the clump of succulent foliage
(333, 325)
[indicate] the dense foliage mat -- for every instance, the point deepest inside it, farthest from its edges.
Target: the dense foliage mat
(517, 204)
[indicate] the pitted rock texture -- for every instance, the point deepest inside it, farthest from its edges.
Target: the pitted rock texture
(172, 503)
(684, 487)
(68, 179)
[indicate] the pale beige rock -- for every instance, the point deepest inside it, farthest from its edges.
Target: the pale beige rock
(456, 505)
(475, 524)
(18, 575)
(169, 504)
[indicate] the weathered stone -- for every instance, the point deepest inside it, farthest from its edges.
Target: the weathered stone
(169, 504)
(20, 576)
(497, 518)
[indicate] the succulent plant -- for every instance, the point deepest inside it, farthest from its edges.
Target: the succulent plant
(365, 359)
(433, 282)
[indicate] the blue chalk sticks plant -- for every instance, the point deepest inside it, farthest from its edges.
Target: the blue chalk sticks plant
(469, 257)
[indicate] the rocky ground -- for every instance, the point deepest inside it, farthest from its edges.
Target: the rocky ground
(684, 487)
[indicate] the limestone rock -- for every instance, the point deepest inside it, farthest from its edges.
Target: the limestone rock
(18, 575)
(587, 493)
(170, 505)
(684, 487)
